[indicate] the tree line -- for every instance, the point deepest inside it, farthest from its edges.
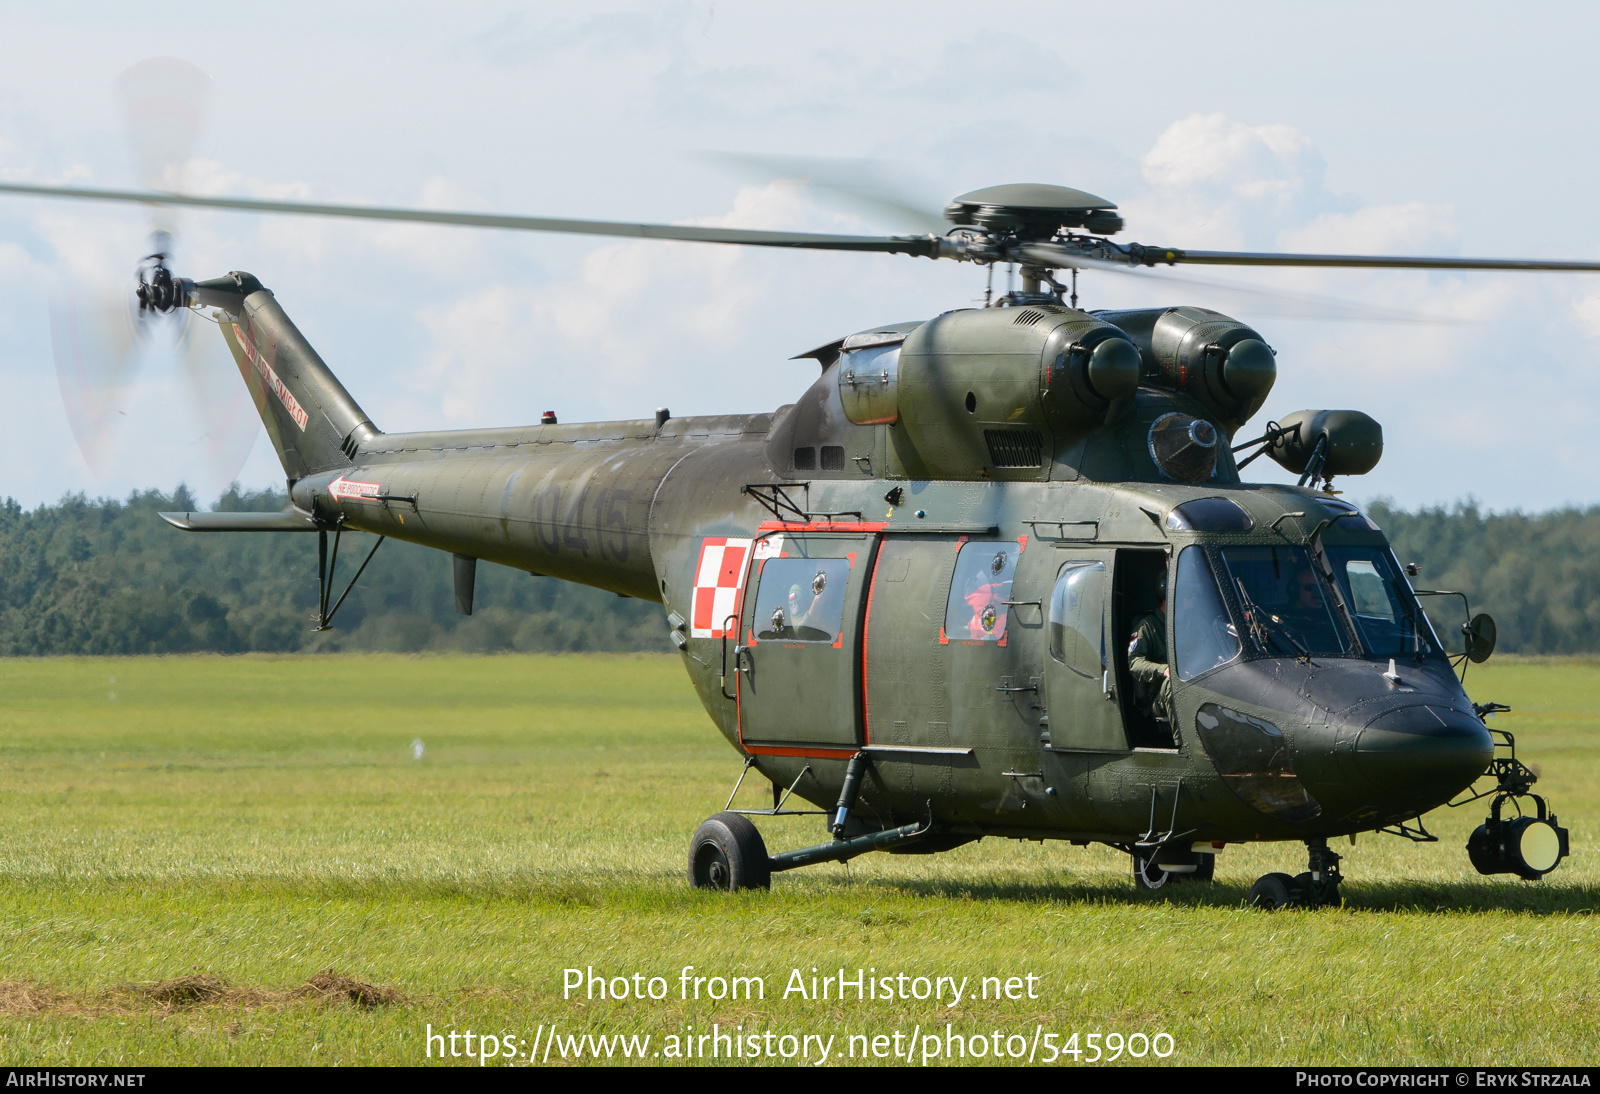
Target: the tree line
(109, 577)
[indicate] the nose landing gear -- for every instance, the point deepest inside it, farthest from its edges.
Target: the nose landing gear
(1317, 887)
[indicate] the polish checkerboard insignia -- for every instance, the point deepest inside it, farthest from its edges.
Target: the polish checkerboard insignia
(718, 582)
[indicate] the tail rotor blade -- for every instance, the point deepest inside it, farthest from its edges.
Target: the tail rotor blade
(93, 335)
(164, 103)
(220, 403)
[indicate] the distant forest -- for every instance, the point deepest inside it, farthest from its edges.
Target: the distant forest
(109, 577)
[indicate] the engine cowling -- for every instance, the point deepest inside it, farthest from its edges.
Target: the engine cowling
(995, 390)
(1218, 361)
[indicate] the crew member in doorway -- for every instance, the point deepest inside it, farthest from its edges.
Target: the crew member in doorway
(1147, 658)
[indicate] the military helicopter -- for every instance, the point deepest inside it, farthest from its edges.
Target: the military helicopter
(906, 599)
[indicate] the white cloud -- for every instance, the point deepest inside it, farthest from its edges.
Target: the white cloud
(1415, 227)
(1587, 311)
(615, 331)
(1219, 181)
(1213, 150)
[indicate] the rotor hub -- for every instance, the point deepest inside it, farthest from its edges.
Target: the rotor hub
(1034, 211)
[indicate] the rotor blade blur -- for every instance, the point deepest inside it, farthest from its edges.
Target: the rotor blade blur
(1284, 303)
(163, 101)
(220, 402)
(911, 245)
(93, 339)
(1380, 262)
(855, 183)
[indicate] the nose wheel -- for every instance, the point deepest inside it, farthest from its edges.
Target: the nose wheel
(1316, 887)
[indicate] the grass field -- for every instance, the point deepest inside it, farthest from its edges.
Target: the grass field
(189, 841)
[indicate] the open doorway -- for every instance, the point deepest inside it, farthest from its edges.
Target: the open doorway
(1139, 588)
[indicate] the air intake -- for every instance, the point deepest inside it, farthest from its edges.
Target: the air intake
(1014, 447)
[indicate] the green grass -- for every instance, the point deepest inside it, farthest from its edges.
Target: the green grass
(256, 820)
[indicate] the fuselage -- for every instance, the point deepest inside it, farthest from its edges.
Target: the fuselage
(1025, 723)
(936, 559)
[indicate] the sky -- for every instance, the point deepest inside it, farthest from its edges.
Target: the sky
(1372, 128)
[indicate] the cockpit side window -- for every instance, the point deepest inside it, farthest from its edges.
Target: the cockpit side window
(1203, 634)
(979, 591)
(1386, 612)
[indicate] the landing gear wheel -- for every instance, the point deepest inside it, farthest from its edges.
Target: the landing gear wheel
(1274, 891)
(1147, 875)
(1327, 897)
(728, 853)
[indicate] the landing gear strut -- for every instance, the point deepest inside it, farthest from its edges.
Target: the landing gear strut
(728, 853)
(1317, 887)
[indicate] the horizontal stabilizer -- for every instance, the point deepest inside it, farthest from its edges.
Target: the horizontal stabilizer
(287, 520)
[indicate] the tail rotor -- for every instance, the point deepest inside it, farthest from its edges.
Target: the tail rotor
(119, 356)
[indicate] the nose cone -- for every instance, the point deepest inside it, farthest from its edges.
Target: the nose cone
(1426, 753)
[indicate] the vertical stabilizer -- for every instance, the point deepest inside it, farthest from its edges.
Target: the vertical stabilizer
(313, 422)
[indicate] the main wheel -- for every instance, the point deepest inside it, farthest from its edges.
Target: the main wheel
(1274, 891)
(728, 853)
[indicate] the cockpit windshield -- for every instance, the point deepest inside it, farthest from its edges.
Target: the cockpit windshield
(1205, 636)
(1287, 607)
(1385, 610)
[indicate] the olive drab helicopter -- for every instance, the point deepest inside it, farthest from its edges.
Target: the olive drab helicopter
(906, 599)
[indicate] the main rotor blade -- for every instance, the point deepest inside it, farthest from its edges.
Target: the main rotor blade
(1378, 262)
(1064, 255)
(859, 184)
(1048, 254)
(912, 245)
(1286, 303)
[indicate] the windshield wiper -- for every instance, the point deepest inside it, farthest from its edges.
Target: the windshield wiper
(1262, 624)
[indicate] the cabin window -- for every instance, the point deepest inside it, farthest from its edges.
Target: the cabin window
(1203, 635)
(1287, 611)
(1077, 618)
(800, 599)
(979, 591)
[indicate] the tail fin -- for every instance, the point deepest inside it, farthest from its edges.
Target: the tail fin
(314, 423)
